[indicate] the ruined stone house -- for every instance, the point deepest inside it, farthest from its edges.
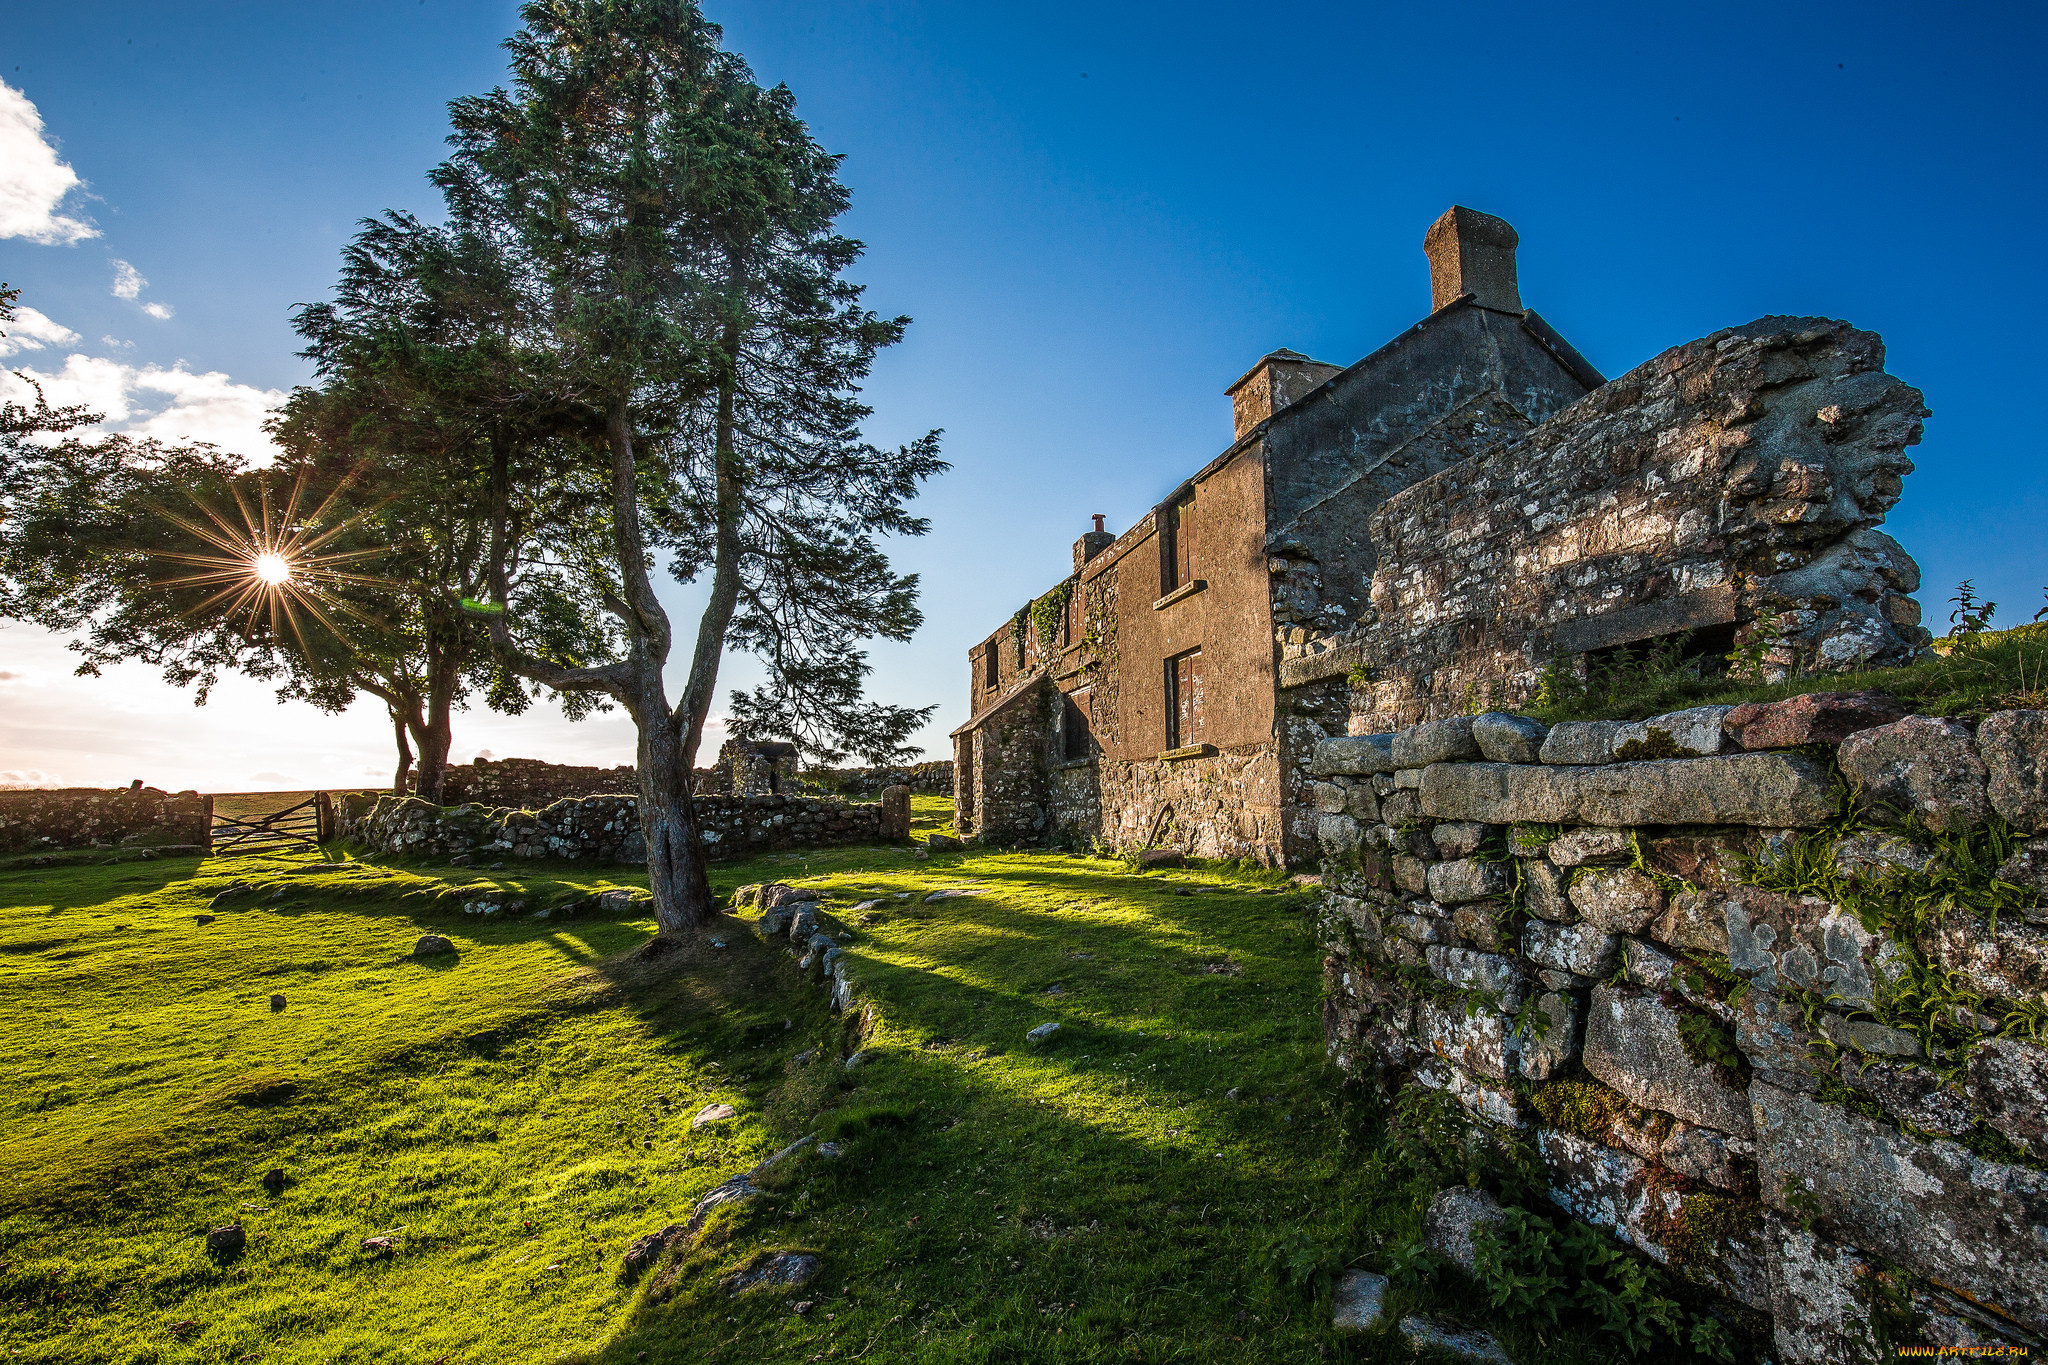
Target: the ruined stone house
(1424, 533)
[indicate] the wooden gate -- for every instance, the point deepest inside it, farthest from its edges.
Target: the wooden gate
(303, 826)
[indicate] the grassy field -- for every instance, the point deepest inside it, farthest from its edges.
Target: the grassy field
(514, 1115)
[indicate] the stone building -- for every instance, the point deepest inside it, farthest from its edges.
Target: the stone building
(1424, 533)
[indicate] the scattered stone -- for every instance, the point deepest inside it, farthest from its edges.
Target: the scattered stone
(1435, 741)
(1466, 1343)
(1910, 1094)
(1582, 741)
(1620, 900)
(710, 1114)
(1582, 949)
(645, 1251)
(1503, 738)
(1454, 1216)
(1815, 718)
(861, 1059)
(2014, 746)
(202, 919)
(2009, 1084)
(1357, 1301)
(943, 843)
(273, 1181)
(1578, 847)
(1457, 838)
(1809, 942)
(276, 1004)
(1353, 756)
(1703, 1154)
(1041, 1033)
(461, 860)
(1867, 1035)
(804, 923)
(831, 1151)
(1920, 765)
(2028, 867)
(1547, 1052)
(432, 945)
(226, 1241)
(1161, 857)
(1873, 853)
(2009, 965)
(1775, 790)
(1934, 1208)
(1545, 890)
(1632, 1044)
(384, 1244)
(783, 1270)
(1466, 879)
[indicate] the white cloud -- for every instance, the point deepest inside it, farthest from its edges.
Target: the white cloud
(28, 777)
(128, 281)
(33, 182)
(31, 330)
(116, 343)
(192, 407)
(159, 311)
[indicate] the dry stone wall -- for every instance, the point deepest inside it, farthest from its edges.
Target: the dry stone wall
(607, 828)
(89, 817)
(1736, 482)
(529, 784)
(1781, 1030)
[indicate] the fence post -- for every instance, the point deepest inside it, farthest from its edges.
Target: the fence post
(323, 809)
(206, 838)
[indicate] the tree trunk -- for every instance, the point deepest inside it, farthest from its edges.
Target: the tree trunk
(668, 821)
(398, 782)
(438, 734)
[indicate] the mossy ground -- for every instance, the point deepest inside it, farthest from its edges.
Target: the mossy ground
(522, 1110)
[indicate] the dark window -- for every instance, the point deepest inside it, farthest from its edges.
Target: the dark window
(992, 663)
(1074, 725)
(1184, 700)
(1176, 545)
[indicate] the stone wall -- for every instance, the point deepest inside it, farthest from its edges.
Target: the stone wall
(1219, 805)
(925, 779)
(1722, 997)
(607, 828)
(529, 784)
(1737, 481)
(89, 817)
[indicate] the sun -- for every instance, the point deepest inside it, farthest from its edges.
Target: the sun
(273, 568)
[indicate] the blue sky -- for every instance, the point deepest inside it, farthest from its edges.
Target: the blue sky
(1098, 217)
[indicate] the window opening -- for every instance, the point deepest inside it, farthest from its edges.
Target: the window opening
(1184, 709)
(1074, 717)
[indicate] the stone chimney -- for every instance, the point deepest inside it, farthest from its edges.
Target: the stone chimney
(1472, 253)
(1272, 384)
(1092, 544)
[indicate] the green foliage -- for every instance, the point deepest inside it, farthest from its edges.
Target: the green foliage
(1299, 1259)
(1972, 615)
(1998, 670)
(1531, 1268)
(1710, 974)
(1049, 613)
(1412, 1267)
(1360, 675)
(1709, 1042)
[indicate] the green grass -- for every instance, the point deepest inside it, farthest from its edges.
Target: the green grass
(1997, 670)
(522, 1111)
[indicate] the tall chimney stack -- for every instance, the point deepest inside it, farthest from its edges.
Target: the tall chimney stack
(1472, 253)
(1092, 543)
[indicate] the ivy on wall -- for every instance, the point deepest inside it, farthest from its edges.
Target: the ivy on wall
(1049, 612)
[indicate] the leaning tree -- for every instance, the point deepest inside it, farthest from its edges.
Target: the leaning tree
(674, 223)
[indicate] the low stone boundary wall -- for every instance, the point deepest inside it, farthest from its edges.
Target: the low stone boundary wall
(607, 828)
(1765, 988)
(924, 779)
(530, 784)
(92, 817)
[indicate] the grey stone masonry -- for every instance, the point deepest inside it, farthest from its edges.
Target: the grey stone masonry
(1769, 790)
(1738, 480)
(1619, 941)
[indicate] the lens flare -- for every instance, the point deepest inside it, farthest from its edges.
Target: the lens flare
(273, 568)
